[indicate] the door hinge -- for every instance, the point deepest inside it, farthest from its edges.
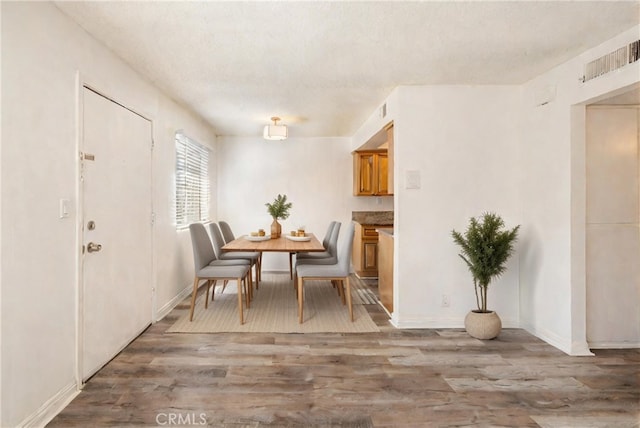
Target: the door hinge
(153, 219)
(153, 144)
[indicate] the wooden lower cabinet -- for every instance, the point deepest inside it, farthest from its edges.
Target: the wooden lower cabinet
(365, 250)
(385, 270)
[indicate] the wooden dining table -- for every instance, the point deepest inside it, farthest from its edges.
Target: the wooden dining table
(280, 244)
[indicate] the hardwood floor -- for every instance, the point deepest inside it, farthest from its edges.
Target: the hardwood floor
(395, 378)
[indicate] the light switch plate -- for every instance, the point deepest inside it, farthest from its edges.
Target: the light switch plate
(412, 179)
(64, 208)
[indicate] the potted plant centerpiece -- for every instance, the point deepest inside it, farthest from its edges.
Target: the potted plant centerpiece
(485, 247)
(279, 209)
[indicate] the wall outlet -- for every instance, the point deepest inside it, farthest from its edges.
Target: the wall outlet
(445, 301)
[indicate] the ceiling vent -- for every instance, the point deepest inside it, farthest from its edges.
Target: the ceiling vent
(612, 61)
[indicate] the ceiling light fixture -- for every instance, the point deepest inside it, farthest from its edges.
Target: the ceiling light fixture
(275, 131)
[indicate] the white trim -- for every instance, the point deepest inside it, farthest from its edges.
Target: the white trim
(51, 407)
(168, 307)
(575, 349)
(614, 345)
(440, 322)
(580, 349)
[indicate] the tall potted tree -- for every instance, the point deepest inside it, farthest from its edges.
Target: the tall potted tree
(278, 209)
(485, 248)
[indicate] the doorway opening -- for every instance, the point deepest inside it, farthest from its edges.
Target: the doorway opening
(612, 235)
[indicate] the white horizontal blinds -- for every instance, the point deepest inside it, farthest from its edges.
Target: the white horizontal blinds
(192, 181)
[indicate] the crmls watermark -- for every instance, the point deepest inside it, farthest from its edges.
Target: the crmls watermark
(181, 419)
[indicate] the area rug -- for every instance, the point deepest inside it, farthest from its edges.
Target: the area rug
(274, 309)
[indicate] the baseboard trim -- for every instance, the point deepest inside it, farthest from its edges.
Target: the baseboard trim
(614, 345)
(168, 307)
(51, 407)
(440, 322)
(575, 349)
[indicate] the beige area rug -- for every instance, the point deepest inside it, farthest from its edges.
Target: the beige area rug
(274, 309)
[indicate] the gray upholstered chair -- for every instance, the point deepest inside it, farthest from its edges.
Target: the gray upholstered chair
(218, 242)
(330, 242)
(228, 236)
(227, 233)
(338, 272)
(209, 268)
(314, 255)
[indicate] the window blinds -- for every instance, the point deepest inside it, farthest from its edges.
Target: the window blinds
(192, 181)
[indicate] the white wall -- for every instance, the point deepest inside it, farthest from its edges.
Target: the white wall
(42, 52)
(463, 142)
(613, 233)
(316, 174)
(552, 144)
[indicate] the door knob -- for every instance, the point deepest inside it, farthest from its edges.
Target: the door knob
(92, 247)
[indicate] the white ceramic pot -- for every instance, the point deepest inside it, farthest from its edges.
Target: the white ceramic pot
(483, 325)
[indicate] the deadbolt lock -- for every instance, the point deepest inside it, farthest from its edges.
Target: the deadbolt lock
(91, 225)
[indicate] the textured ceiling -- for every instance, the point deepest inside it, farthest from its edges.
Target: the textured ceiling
(324, 67)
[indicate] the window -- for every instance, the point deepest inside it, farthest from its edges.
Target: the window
(192, 181)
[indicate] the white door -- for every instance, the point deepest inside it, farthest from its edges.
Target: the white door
(115, 301)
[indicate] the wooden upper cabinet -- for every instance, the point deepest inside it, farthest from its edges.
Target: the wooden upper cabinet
(390, 149)
(373, 165)
(383, 174)
(370, 173)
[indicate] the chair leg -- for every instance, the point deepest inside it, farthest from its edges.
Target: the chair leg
(300, 298)
(260, 261)
(239, 280)
(290, 265)
(256, 266)
(348, 293)
(249, 282)
(213, 288)
(206, 298)
(193, 297)
(340, 287)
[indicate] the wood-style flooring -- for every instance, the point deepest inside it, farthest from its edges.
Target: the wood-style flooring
(395, 378)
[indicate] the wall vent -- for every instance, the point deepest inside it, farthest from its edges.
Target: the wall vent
(612, 61)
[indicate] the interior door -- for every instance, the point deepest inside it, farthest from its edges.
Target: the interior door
(116, 290)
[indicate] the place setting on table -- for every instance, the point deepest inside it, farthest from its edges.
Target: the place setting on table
(254, 241)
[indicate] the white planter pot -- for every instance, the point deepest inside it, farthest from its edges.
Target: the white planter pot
(483, 325)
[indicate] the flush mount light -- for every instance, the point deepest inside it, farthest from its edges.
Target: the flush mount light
(275, 131)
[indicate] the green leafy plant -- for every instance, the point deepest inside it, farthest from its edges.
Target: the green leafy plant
(485, 248)
(279, 209)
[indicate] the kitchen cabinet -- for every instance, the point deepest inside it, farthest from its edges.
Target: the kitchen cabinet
(365, 250)
(390, 154)
(371, 173)
(385, 269)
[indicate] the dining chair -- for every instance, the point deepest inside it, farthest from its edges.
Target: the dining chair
(303, 254)
(227, 233)
(330, 242)
(338, 272)
(218, 242)
(228, 236)
(209, 268)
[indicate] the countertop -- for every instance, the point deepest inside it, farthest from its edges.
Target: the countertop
(373, 218)
(385, 231)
